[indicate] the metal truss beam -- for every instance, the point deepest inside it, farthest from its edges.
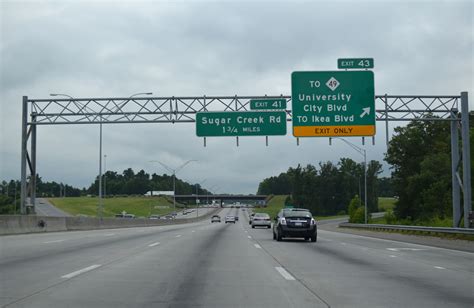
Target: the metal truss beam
(183, 109)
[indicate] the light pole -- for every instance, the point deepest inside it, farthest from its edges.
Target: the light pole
(358, 179)
(362, 152)
(197, 196)
(173, 171)
(105, 176)
(101, 205)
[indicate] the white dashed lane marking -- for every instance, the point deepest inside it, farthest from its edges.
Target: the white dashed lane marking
(284, 273)
(56, 241)
(179, 235)
(154, 244)
(439, 267)
(81, 271)
(257, 246)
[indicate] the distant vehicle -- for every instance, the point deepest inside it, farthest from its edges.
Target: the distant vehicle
(261, 220)
(154, 217)
(124, 216)
(250, 218)
(295, 223)
(169, 217)
(174, 214)
(230, 219)
(215, 218)
(236, 218)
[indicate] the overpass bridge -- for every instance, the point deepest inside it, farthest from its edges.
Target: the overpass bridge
(261, 199)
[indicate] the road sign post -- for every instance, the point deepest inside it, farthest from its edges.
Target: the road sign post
(240, 123)
(333, 103)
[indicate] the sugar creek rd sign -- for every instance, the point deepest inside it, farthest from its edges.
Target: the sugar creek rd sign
(333, 103)
(240, 123)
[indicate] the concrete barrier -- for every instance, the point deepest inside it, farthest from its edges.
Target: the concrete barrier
(18, 224)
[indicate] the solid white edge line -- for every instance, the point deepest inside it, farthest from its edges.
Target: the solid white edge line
(86, 269)
(284, 273)
(154, 244)
(257, 246)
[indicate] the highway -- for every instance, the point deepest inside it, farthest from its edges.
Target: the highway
(227, 265)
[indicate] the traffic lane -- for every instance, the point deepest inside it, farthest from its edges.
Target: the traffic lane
(437, 257)
(24, 246)
(354, 275)
(30, 272)
(217, 266)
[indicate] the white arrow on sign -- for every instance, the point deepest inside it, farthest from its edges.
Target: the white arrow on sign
(366, 112)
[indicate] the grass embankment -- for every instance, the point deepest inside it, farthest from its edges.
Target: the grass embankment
(278, 202)
(386, 204)
(273, 206)
(139, 206)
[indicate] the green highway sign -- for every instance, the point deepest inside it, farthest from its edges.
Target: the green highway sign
(333, 103)
(355, 63)
(265, 104)
(240, 123)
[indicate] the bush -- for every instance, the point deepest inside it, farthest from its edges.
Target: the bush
(353, 206)
(341, 212)
(390, 217)
(359, 216)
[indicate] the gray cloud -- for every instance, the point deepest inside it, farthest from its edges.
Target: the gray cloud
(89, 49)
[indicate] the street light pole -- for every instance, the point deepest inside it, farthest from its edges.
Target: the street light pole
(362, 152)
(105, 176)
(100, 207)
(197, 196)
(173, 171)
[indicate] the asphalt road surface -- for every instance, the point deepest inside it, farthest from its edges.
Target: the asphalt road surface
(44, 208)
(227, 265)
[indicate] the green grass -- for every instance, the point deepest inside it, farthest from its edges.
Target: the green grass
(139, 206)
(330, 217)
(386, 204)
(278, 202)
(273, 207)
(436, 222)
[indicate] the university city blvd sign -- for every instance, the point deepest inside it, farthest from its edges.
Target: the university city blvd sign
(333, 103)
(240, 123)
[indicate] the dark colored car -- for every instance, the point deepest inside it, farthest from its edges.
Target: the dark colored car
(215, 218)
(295, 223)
(236, 218)
(251, 217)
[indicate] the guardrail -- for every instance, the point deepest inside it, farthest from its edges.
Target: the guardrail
(466, 231)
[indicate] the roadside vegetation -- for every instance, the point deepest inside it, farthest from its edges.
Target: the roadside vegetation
(328, 188)
(139, 206)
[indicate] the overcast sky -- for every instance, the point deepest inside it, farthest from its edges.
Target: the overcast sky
(110, 49)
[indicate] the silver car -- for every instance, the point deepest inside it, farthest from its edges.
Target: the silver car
(261, 220)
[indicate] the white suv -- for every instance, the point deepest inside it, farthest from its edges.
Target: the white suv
(229, 219)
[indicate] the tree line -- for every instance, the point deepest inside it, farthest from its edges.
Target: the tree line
(114, 184)
(130, 183)
(420, 156)
(328, 188)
